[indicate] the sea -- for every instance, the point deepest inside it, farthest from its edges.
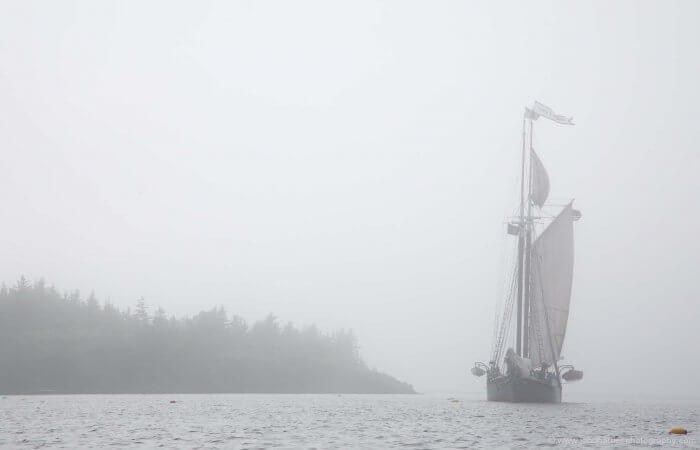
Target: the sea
(244, 421)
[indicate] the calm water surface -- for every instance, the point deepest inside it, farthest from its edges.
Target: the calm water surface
(333, 421)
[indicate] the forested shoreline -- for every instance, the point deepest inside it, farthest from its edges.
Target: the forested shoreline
(62, 343)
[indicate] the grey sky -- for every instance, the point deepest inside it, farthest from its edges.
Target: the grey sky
(351, 164)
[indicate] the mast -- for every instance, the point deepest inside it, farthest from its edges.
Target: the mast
(521, 252)
(526, 262)
(534, 191)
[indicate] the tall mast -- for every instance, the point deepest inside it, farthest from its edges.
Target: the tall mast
(521, 253)
(526, 262)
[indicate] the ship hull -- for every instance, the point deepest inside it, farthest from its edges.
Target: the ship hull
(522, 390)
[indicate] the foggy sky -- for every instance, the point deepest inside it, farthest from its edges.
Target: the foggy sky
(352, 165)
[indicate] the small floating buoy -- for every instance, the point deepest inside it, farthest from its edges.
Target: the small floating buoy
(677, 430)
(173, 401)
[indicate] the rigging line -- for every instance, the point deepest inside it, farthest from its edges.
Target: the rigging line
(506, 288)
(508, 312)
(505, 282)
(498, 341)
(546, 318)
(507, 324)
(538, 324)
(499, 338)
(506, 327)
(506, 258)
(549, 333)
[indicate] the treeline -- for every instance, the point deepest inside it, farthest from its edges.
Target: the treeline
(61, 343)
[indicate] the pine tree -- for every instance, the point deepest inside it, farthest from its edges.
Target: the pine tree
(141, 310)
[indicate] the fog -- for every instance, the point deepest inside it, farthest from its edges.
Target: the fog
(352, 165)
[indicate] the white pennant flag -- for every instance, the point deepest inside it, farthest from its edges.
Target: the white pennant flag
(540, 110)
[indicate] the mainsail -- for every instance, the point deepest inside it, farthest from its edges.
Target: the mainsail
(552, 270)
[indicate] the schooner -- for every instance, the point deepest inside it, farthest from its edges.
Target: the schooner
(540, 289)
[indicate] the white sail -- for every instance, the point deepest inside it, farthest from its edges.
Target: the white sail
(552, 270)
(539, 191)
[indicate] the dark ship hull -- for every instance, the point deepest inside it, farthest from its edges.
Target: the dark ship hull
(522, 390)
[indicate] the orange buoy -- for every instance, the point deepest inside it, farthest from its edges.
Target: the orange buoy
(678, 430)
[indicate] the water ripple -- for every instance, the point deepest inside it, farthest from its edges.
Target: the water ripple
(331, 421)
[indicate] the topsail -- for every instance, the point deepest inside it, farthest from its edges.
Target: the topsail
(540, 181)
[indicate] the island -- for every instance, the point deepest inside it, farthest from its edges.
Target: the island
(56, 343)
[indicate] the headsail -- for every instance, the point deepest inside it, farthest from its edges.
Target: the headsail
(552, 270)
(540, 180)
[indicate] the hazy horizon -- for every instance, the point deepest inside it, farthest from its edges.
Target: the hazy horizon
(352, 165)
